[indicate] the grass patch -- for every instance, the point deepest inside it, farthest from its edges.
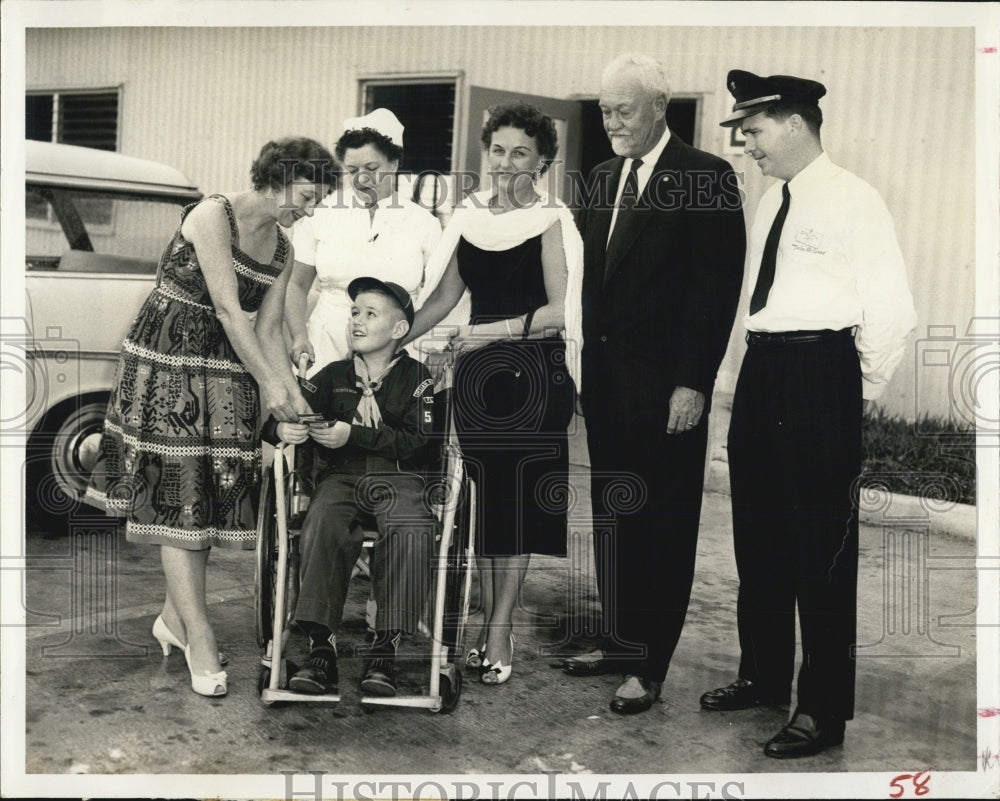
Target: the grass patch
(932, 457)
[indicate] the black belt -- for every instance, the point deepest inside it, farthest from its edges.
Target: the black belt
(792, 337)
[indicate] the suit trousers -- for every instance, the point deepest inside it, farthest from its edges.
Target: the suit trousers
(331, 542)
(794, 461)
(646, 496)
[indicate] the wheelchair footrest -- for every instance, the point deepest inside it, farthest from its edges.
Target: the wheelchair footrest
(269, 695)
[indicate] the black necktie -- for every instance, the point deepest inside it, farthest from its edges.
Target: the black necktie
(630, 192)
(768, 261)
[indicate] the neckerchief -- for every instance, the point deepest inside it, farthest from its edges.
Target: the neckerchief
(368, 414)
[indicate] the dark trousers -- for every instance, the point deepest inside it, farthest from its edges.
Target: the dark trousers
(794, 460)
(646, 488)
(331, 543)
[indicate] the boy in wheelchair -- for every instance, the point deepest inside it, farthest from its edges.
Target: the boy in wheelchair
(371, 446)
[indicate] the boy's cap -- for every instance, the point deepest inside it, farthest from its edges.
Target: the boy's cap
(367, 283)
(754, 94)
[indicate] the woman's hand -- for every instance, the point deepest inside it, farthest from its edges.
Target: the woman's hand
(277, 399)
(468, 338)
(437, 361)
(334, 436)
(293, 433)
(301, 346)
(299, 403)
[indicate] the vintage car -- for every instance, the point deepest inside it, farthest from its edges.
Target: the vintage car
(96, 223)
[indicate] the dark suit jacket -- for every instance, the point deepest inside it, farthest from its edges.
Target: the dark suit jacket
(659, 300)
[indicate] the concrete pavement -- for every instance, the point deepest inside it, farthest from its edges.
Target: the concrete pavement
(101, 699)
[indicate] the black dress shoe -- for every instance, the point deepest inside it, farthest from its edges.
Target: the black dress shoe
(805, 735)
(378, 678)
(741, 694)
(632, 706)
(575, 666)
(318, 676)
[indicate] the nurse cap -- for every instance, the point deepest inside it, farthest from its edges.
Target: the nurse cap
(381, 120)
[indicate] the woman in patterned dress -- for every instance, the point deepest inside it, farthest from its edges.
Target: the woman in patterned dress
(180, 456)
(367, 229)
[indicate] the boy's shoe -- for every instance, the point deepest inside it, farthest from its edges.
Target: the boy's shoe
(319, 675)
(379, 678)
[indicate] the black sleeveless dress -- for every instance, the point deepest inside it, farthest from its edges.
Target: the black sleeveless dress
(513, 403)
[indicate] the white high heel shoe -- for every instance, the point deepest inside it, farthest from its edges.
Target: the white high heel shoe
(167, 638)
(210, 684)
(497, 673)
(476, 657)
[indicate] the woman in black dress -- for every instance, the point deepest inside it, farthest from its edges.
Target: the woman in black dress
(515, 250)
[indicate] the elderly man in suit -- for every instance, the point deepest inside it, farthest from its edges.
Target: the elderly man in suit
(664, 242)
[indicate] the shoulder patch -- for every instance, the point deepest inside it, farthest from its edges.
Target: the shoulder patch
(422, 387)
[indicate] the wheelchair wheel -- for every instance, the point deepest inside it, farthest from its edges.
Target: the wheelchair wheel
(456, 602)
(267, 561)
(450, 688)
(263, 680)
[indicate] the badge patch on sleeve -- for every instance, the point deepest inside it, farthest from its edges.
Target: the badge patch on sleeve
(422, 388)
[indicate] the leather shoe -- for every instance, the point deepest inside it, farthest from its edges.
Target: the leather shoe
(630, 706)
(577, 666)
(741, 694)
(379, 677)
(805, 735)
(319, 675)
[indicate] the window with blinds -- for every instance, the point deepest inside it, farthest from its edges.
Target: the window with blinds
(88, 119)
(427, 111)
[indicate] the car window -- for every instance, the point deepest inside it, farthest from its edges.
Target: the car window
(85, 231)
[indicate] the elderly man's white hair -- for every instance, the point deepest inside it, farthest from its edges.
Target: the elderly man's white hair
(651, 73)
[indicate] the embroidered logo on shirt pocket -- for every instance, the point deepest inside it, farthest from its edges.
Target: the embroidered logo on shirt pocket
(809, 240)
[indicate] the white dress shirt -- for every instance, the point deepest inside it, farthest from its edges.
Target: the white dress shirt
(343, 242)
(838, 266)
(642, 175)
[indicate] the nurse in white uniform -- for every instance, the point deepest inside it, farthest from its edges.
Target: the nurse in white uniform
(363, 228)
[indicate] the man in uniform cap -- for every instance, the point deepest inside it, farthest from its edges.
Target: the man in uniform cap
(829, 314)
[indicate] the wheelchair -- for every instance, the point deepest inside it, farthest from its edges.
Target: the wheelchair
(284, 500)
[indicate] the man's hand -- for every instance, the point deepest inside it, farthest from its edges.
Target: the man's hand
(686, 407)
(335, 436)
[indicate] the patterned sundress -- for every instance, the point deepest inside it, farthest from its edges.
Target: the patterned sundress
(180, 455)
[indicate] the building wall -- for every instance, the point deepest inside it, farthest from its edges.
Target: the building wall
(899, 112)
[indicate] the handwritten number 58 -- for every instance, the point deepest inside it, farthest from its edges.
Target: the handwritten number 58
(919, 784)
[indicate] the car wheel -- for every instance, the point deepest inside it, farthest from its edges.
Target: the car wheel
(61, 457)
